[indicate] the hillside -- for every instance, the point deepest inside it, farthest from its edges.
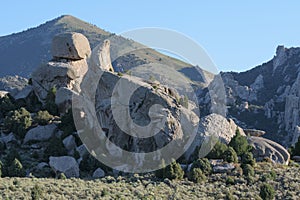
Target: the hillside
(33, 47)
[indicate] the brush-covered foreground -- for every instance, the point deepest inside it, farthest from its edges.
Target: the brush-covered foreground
(285, 180)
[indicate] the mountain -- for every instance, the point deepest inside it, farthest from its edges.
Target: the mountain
(33, 46)
(267, 96)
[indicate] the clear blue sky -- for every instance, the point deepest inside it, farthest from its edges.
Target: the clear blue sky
(236, 35)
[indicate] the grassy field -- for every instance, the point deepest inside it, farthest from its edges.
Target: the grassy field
(286, 185)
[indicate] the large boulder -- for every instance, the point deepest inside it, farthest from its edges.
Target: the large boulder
(65, 164)
(264, 148)
(40, 133)
(212, 127)
(73, 46)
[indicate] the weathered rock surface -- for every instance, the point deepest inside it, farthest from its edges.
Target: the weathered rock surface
(66, 165)
(264, 148)
(73, 46)
(98, 173)
(214, 126)
(40, 133)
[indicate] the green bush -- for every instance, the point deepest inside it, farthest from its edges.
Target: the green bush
(248, 170)
(1, 166)
(203, 164)
(196, 175)
(18, 121)
(67, 124)
(296, 149)
(2, 146)
(267, 192)
(247, 158)
(230, 181)
(36, 192)
(172, 171)
(230, 155)
(240, 144)
(7, 104)
(50, 105)
(43, 117)
(55, 148)
(16, 169)
(218, 151)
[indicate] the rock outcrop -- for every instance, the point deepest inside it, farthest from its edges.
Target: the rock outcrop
(264, 148)
(213, 127)
(66, 70)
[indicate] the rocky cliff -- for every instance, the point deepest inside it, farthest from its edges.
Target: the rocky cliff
(267, 96)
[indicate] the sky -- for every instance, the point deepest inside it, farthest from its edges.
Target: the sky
(237, 35)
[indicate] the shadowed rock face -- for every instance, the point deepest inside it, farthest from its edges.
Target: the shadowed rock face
(264, 148)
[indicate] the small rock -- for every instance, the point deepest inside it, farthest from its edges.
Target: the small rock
(296, 158)
(69, 143)
(66, 165)
(98, 173)
(82, 150)
(223, 168)
(10, 138)
(40, 133)
(42, 165)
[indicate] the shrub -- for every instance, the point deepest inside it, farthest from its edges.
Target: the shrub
(55, 148)
(248, 170)
(218, 151)
(230, 155)
(203, 164)
(36, 192)
(2, 146)
(196, 175)
(16, 169)
(62, 176)
(239, 143)
(7, 104)
(172, 171)
(18, 121)
(247, 158)
(50, 105)
(67, 124)
(43, 117)
(1, 166)
(230, 181)
(296, 149)
(267, 192)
